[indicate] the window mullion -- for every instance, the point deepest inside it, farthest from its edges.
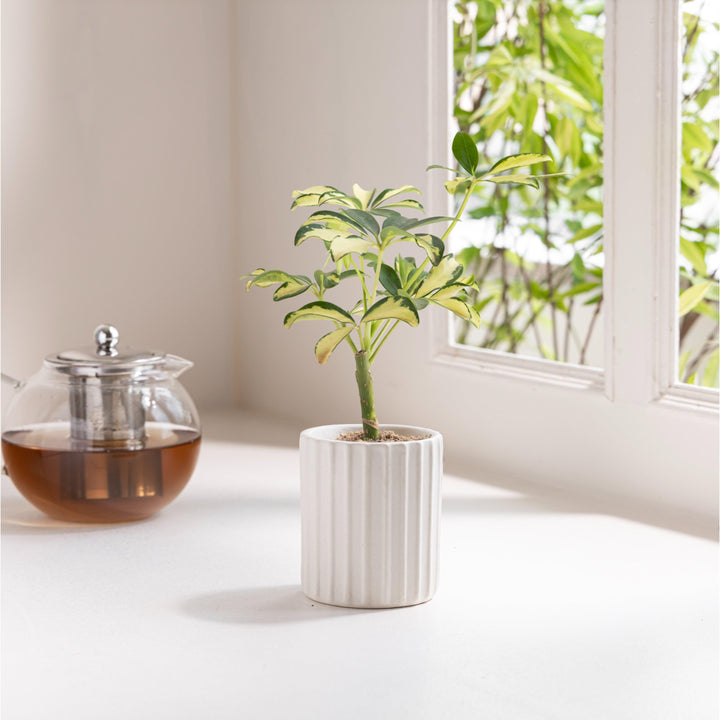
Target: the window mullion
(632, 167)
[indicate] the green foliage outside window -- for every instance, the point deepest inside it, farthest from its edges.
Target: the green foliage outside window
(529, 78)
(699, 198)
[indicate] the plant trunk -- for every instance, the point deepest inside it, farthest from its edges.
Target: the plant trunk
(367, 395)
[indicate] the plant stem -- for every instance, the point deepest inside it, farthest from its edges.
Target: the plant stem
(371, 360)
(586, 344)
(380, 254)
(459, 213)
(364, 379)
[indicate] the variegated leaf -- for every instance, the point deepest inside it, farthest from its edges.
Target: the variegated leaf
(449, 291)
(392, 192)
(290, 289)
(313, 190)
(393, 307)
(337, 197)
(335, 217)
(319, 310)
(309, 196)
(327, 343)
(320, 232)
(390, 232)
(459, 307)
(517, 179)
(408, 203)
(433, 246)
(516, 161)
(445, 273)
(265, 278)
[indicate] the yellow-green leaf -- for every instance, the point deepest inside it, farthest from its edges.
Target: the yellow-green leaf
(516, 161)
(573, 97)
(327, 343)
(710, 376)
(362, 195)
(341, 246)
(459, 307)
(517, 179)
(452, 186)
(393, 307)
(691, 297)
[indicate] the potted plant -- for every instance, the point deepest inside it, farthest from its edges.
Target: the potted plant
(371, 494)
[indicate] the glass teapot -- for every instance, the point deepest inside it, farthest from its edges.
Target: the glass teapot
(102, 434)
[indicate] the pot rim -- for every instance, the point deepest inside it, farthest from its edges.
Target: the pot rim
(328, 433)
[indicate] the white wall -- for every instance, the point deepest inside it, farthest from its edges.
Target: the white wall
(339, 96)
(116, 181)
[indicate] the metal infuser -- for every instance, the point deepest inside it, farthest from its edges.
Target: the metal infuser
(107, 424)
(106, 410)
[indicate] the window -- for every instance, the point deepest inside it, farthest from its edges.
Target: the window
(624, 425)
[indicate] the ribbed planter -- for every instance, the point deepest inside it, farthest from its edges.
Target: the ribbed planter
(370, 517)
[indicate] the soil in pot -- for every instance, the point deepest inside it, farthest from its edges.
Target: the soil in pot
(384, 436)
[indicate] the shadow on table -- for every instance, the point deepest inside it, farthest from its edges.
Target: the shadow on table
(262, 605)
(527, 499)
(21, 518)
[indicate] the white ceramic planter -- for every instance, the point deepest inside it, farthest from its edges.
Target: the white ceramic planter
(370, 517)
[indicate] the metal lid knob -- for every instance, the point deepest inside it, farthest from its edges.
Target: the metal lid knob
(106, 338)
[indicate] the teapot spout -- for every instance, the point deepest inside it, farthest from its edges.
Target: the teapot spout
(14, 383)
(176, 365)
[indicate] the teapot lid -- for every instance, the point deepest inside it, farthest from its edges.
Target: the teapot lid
(105, 358)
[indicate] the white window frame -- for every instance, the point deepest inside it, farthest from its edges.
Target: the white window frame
(640, 229)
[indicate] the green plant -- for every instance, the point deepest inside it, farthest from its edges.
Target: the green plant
(528, 78)
(699, 357)
(358, 237)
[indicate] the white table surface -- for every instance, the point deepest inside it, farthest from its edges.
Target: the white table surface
(546, 610)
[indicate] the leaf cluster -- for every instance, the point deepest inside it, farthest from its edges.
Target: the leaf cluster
(365, 235)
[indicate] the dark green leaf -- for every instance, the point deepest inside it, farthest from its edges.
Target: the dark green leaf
(389, 279)
(363, 218)
(465, 151)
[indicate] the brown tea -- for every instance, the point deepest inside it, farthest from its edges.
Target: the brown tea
(100, 483)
